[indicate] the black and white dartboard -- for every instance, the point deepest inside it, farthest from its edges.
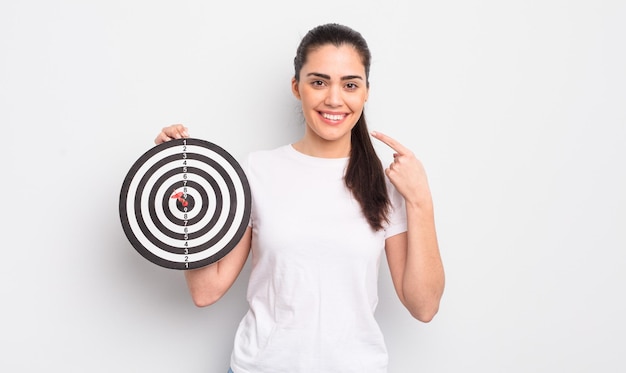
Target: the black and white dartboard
(185, 204)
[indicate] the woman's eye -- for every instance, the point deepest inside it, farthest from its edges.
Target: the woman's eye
(318, 83)
(351, 86)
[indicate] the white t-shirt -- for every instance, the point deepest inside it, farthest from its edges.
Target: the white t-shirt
(313, 285)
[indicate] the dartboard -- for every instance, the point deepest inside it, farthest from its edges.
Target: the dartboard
(185, 204)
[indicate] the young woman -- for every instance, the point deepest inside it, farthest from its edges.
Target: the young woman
(323, 211)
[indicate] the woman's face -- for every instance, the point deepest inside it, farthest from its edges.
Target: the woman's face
(333, 90)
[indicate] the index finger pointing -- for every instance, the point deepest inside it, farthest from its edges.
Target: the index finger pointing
(392, 143)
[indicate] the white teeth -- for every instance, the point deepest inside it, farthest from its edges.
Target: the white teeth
(332, 117)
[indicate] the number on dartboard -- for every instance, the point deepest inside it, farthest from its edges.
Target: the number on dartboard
(186, 236)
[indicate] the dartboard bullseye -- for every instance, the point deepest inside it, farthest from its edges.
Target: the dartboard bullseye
(185, 204)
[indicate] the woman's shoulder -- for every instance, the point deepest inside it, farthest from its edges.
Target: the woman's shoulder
(263, 157)
(280, 148)
(264, 154)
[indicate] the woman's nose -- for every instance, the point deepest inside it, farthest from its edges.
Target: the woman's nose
(333, 96)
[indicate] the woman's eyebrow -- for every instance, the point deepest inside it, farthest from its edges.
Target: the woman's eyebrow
(327, 77)
(351, 77)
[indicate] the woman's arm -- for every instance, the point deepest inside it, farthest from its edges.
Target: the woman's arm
(208, 284)
(416, 267)
(413, 257)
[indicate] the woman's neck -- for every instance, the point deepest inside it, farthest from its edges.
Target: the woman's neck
(321, 148)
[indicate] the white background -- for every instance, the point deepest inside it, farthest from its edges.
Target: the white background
(516, 108)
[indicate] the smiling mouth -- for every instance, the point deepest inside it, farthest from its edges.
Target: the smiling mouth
(333, 117)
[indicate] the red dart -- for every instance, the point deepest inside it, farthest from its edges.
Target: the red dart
(177, 195)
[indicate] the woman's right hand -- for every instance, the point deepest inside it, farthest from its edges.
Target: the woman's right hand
(175, 131)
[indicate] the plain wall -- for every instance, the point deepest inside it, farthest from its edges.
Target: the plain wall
(516, 108)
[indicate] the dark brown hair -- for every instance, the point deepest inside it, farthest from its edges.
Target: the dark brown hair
(364, 176)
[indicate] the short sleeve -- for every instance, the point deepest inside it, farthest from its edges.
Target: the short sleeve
(245, 165)
(397, 214)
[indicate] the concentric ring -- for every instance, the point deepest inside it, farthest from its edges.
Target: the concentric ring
(185, 204)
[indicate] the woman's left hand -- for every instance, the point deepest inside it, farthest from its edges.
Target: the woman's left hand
(407, 173)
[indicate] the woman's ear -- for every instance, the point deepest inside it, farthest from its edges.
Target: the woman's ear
(294, 88)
